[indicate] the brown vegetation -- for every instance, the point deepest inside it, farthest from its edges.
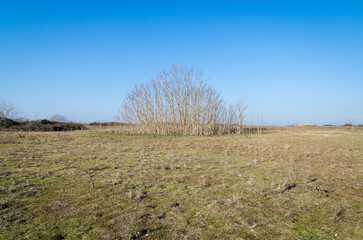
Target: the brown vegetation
(289, 183)
(180, 102)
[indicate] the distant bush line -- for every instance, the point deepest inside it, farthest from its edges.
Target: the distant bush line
(106, 124)
(7, 124)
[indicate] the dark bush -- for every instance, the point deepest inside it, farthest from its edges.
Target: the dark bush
(7, 123)
(45, 121)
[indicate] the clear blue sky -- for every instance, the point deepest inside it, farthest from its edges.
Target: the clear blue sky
(293, 61)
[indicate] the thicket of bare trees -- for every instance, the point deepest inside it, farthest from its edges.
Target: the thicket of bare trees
(180, 102)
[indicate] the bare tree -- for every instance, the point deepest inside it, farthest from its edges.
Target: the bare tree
(7, 110)
(179, 101)
(22, 120)
(58, 118)
(350, 123)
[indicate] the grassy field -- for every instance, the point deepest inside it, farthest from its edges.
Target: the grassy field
(283, 184)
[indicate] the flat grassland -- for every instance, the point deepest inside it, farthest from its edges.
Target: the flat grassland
(98, 184)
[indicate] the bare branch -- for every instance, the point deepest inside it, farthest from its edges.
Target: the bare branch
(7, 110)
(179, 101)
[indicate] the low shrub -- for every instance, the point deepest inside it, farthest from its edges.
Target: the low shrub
(7, 123)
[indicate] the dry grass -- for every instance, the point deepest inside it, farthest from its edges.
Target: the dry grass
(284, 184)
